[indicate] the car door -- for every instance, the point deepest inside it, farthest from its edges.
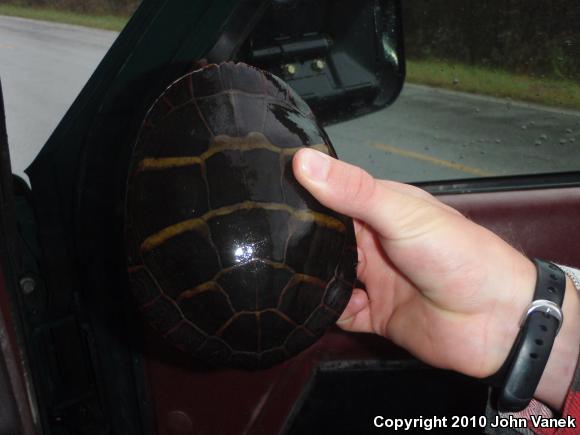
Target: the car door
(97, 368)
(18, 411)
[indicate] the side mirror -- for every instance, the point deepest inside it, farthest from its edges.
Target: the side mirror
(344, 57)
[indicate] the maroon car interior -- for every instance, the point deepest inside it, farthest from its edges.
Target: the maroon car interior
(540, 223)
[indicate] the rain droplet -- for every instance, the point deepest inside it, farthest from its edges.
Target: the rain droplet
(572, 140)
(569, 131)
(563, 141)
(477, 110)
(538, 143)
(524, 127)
(498, 141)
(543, 136)
(455, 80)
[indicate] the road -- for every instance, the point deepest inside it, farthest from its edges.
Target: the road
(427, 134)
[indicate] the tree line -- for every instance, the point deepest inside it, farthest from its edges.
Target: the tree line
(115, 7)
(534, 37)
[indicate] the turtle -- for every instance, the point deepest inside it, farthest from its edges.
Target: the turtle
(229, 258)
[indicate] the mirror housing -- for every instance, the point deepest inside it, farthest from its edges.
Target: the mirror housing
(344, 57)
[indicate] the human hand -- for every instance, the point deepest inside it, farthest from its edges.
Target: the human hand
(446, 289)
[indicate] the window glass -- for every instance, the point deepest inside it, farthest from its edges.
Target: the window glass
(44, 64)
(493, 88)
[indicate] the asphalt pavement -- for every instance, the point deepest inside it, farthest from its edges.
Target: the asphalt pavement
(427, 134)
(43, 67)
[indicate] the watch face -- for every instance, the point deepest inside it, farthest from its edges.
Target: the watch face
(573, 274)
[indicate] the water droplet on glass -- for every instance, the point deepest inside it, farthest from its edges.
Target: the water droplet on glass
(455, 80)
(563, 141)
(543, 137)
(524, 127)
(569, 131)
(498, 141)
(572, 140)
(538, 143)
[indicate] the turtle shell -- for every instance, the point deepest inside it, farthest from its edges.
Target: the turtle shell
(229, 258)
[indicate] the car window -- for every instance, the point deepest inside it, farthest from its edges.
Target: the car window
(43, 67)
(493, 89)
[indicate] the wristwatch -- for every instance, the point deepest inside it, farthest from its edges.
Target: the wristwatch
(538, 329)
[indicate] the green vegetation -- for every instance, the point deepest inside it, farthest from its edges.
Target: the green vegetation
(530, 37)
(497, 83)
(108, 22)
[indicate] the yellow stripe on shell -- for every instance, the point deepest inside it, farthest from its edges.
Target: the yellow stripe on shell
(221, 143)
(200, 224)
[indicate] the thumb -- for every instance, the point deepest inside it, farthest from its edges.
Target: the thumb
(348, 189)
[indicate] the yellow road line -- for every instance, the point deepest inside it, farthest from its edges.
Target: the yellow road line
(434, 160)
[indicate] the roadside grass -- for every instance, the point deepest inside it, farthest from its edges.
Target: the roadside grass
(496, 83)
(107, 22)
(441, 74)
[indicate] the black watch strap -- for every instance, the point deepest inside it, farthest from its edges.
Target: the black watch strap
(534, 343)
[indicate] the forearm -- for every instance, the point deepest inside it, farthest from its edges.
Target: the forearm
(563, 360)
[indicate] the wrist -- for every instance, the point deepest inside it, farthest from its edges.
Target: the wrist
(561, 366)
(505, 320)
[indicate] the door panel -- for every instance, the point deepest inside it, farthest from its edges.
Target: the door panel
(541, 223)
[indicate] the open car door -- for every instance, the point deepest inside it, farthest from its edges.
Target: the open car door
(70, 328)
